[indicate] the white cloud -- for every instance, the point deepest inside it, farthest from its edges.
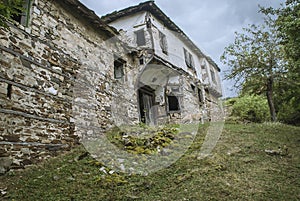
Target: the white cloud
(209, 23)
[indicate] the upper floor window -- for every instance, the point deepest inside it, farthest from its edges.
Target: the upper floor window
(119, 68)
(140, 37)
(23, 14)
(213, 76)
(188, 58)
(163, 43)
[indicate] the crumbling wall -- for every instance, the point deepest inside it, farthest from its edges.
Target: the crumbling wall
(52, 73)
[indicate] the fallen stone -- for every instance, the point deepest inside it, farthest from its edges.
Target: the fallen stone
(5, 164)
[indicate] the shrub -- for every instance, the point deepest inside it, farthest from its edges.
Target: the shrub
(289, 112)
(250, 108)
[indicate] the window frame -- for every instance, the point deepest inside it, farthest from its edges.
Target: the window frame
(213, 76)
(140, 39)
(23, 17)
(163, 43)
(178, 104)
(119, 64)
(189, 60)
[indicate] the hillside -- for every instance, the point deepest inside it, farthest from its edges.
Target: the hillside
(250, 162)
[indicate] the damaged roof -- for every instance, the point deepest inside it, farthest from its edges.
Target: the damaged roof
(87, 15)
(151, 7)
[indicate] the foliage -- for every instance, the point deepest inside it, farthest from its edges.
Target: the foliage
(8, 9)
(288, 24)
(255, 59)
(289, 112)
(251, 108)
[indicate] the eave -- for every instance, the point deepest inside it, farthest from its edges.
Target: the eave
(81, 12)
(151, 7)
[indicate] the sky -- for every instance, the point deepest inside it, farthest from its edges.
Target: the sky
(210, 24)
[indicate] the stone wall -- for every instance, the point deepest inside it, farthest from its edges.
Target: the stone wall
(58, 85)
(51, 74)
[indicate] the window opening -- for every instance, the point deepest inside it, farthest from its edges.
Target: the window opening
(213, 76)
(9, 91)
(24, 12)
(118, 69)
(163, 43)
(188, 58)
(140, 37)
(173, 104)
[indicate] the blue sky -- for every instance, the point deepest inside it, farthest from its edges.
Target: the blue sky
(209, 23)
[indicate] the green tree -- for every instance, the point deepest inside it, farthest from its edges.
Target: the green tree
(255, 60)
(287, 93)
(288, 23)
(8, 9)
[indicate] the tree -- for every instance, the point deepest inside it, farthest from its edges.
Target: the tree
(287, 93)
(288, 23)
(8, 9)
(255, 60)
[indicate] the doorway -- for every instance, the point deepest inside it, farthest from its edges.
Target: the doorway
(146, 103)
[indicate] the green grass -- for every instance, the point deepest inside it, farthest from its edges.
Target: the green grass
(238, 169)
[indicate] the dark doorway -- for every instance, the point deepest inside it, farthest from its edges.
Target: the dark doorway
(146, 103)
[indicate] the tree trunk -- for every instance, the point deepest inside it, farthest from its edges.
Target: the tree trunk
(270, 98)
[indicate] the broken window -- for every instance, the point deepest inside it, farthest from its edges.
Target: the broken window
(213, 76)
(200, 96)
(9, 91)
(24, 12)
(140, 37)
(163, 43)
(193, 87)
(188, 58)
(119, 68)
(173, 104)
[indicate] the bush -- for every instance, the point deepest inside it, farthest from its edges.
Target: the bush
(250, 108)
(289, 112)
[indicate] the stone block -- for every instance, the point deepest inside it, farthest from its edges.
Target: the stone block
(3, 88)
(5, 164)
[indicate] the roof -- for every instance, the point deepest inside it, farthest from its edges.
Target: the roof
(89, 16)
(151, 7)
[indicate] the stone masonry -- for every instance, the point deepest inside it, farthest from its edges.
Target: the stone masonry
(58, 83)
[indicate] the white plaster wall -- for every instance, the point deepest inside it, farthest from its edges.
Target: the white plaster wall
(128, 25)
(130, 22)
(175, 48)
(175, 45)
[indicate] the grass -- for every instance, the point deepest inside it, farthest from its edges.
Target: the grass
(240, 168)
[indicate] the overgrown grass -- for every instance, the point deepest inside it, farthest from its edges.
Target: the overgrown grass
(240, 168)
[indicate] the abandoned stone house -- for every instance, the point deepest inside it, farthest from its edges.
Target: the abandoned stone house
(63, 68)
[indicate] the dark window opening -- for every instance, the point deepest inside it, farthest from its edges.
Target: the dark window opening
(9, 91)
(188, 58)
(140, 38)
(200, 96)
(148, 23)
(118, 68)
(22, 14)
(141, 61)
(193, 88)
(163, 43)
(173, 103)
